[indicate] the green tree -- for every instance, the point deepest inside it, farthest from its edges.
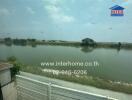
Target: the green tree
(16, 66)
(11, 59)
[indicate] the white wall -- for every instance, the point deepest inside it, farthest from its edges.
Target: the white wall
(5, 77)
(9, 92)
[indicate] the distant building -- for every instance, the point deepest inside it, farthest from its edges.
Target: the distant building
(88, 41)
(5, 76)
(117, 11)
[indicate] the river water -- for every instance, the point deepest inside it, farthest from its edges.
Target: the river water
(112, 64)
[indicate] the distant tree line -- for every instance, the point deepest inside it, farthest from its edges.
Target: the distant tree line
(86, 42)
(20, 41)
(9, 41)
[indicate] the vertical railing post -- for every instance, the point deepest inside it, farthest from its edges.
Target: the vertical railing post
(49, 91)
(1, 94)
(108, 98)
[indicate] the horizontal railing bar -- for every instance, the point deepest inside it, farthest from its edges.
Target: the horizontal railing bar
(28, 95)
(66, 96)
(83, 92)
(30, 90)
(32, 85)
(65, 88)
(32, 80)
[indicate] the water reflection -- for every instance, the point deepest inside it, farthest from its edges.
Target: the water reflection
(34, 45)
(110, 62)
(87, 49)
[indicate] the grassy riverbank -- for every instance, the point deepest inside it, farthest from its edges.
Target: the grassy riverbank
(81, 79)
(85, 80)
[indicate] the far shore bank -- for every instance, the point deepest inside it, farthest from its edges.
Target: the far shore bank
(34, 42)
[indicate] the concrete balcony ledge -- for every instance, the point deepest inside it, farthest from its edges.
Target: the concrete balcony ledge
(9, 91)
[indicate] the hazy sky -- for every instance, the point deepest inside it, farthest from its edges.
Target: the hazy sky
(65, 19)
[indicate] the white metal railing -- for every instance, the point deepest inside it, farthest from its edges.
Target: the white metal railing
(32, 89)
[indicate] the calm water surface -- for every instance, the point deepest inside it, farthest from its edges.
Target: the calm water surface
(113, 64)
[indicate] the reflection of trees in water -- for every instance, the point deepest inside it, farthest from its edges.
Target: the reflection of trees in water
(34, 45)
(87, 49)
(118, 49)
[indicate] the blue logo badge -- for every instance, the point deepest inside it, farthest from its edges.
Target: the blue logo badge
(117, 10)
